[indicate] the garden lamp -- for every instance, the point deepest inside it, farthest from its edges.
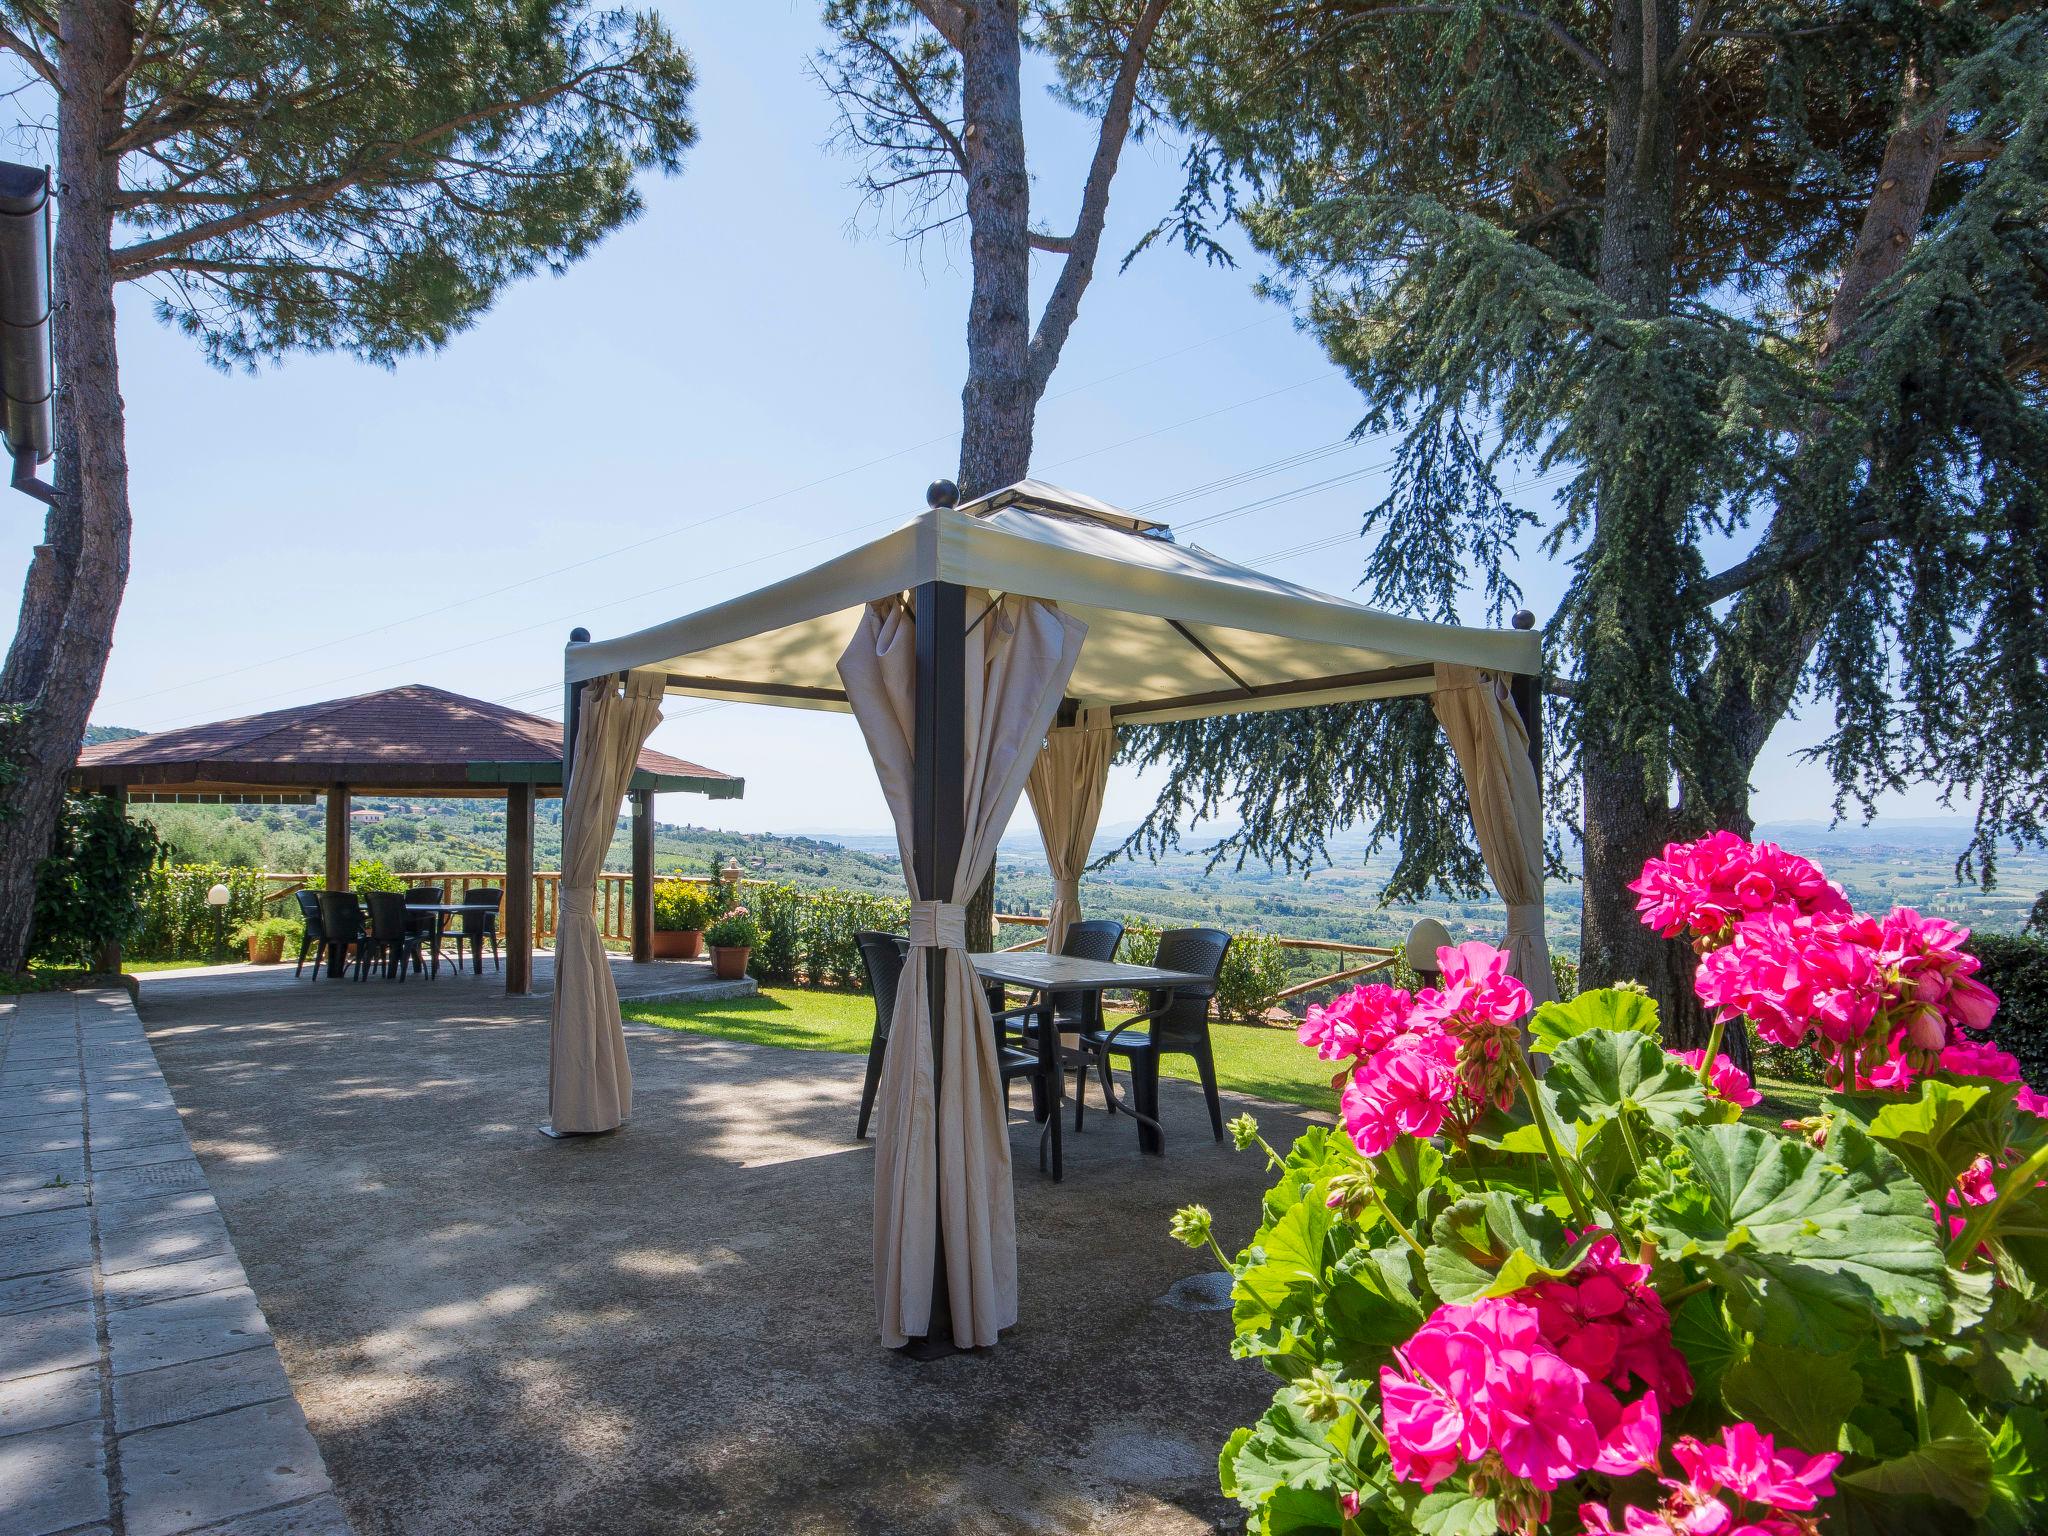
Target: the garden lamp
(1424, 940)
(217, 898)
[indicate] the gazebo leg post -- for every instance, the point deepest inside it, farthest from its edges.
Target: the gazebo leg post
(108, 960)
(1526, 694)
(518, 890)
(337, 864)
(643, 875)
(938, 829)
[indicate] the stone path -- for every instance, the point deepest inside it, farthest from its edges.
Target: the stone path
(140, 1392)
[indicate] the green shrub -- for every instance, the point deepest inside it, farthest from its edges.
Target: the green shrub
(1254, 971)
(810, 933)
(680, 905)
(177, 924)
(2016, 968)
(87, 888)
(365, 875)
(262, 928)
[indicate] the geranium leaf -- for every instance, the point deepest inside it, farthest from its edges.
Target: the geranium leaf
(1802, 1397)
(1277, 1281)
(1285, 1449)
(1493, 1245)
(1815, 1247)
(1454, 1512)
(1954, 1465)
(1604, 1073)
(1700, 1330)
(2019, 1474)
(1371, 1306)
(1613, 1008)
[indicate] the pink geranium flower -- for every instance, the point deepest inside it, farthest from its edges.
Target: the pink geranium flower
(1701, 890)
(1748, 1463)
(1726, 1079)
(1481, 1006)
(1406, 1089)
(1493, 1388)
(1363, 1020)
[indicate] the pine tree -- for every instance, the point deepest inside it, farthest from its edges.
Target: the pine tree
(1768, 282)
(319, 176)
(931, 102)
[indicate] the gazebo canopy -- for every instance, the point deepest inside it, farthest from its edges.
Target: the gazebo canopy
(1174, 632)
(413, 740)
(975, 646)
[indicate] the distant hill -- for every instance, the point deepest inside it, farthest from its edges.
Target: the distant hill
(95, 734)
(470, 834)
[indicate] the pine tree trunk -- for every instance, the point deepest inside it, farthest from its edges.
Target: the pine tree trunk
(73, 591)
(997, 404)
(1627, 819)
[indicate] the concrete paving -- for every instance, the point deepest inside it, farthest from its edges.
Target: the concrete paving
(140, 1391)
(670, 1329)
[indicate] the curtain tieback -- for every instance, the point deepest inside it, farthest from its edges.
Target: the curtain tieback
(1525, 917)
(577, 900)
(938, 925)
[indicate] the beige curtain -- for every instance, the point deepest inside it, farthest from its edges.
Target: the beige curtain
(1507, 808)
(1066, 788)
(590, 1086)
(942, 1160)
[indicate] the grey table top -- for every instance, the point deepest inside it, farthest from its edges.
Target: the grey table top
(1067, 974)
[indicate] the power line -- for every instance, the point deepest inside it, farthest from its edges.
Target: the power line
(691, 527)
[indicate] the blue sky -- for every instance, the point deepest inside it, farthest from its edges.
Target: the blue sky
(732, 388)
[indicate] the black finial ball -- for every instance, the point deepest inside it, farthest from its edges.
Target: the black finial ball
(1524, 619)
(942, 493)
(579, 636)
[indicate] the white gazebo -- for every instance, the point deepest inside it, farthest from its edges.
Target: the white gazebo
(981, 646)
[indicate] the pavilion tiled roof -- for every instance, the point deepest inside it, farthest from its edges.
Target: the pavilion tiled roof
(413, 738)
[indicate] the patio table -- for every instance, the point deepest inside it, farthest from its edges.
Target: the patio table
(1043, 975)
(442, 911)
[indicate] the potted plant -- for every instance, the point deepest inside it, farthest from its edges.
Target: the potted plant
(732, 938)
(266, 938)
(680, 912)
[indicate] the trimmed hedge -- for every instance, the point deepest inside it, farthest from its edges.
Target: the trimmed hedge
(2016, 968)
(177, 924)
(808, 934)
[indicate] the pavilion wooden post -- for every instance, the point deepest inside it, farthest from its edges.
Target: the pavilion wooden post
(938, 828)
(337, 837)
(518, 889)
(643, 874)
(108, 960)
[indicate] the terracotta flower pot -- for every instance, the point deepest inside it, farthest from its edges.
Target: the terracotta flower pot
(729, 961)
(266, 951)
(678, 943)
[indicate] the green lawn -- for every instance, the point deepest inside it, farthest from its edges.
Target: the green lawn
(1262, 1061)
(144, 967)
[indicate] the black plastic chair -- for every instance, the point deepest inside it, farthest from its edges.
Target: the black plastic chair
(1077, 1013)
(393, 939)
(1176, 1022)
(882, 955)
(426, 924)
(314, 941)
(479, 926)
(343, 924)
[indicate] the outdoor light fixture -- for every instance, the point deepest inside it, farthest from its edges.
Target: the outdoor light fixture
(217, 898)
(1424, 940)
(28, 367)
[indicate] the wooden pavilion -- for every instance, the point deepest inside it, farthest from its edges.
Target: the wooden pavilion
(410, 741)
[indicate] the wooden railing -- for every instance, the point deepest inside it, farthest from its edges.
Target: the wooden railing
(615, 917)
(614, 893)
(1380, 956)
